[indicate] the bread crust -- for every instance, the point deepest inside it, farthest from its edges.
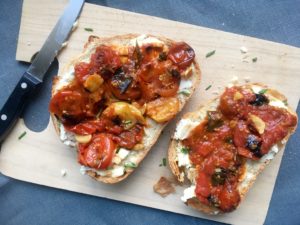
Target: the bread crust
(89, 47)
(172, 155)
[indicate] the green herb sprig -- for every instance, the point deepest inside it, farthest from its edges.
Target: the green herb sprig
(185, 150)
(208, 87)
(22, 135)
(130, 165)
(262, 91)
(209, 54)
(88, 29)
(164, 162)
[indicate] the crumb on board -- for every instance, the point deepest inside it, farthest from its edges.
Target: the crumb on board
(63, 172)
(163, 187)
(247, 79)
(243, 49)
(234, 81)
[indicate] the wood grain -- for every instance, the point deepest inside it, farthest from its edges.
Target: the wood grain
(39, 157)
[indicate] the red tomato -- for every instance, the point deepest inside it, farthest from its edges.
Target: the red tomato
(155, 80)
(132, 92)
(105, 58)
(182, 55)
(82, 71)
(229, 198)
(67, 102)
(128, 139)
(240, 134)
(246, 153)
(98, 154)
(88, 127)
(203, 185)
(204, 148)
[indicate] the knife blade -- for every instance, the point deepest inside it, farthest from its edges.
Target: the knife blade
(33, 77)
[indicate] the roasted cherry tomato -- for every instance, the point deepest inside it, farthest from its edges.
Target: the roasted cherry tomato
(67, 102)
(82, 71)
(88, 127)
(105, 59)
(98, 153)
(128, 139)
(123, 86)
(229, 198)
(181, 54)
(157, 79)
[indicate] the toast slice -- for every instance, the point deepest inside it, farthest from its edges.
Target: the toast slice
(186, 170)
(124, 161)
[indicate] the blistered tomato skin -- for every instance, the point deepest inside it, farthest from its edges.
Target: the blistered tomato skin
(82, 71)
(182, 55)
(220, 145)
(67, 102)
(105, 59)
(157, 81)
(98, 153)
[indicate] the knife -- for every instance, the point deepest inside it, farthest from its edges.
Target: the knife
(33, 77)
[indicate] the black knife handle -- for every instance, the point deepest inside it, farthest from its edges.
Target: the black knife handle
(14, 105)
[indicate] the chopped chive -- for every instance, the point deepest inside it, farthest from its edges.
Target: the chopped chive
(127, 122)
(209, 54)
(254, 59)
(185, 92)
(88, 29)
(184, 150)
(285, 102)
(130, 165)
(138, 52)
(164, 161)
(22, 135)
(117, 150)
(263, 91)
(208, 87)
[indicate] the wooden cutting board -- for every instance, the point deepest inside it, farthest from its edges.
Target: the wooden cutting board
(39, 157)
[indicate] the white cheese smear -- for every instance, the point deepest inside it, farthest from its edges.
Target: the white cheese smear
(144, 39)
(188, 193)
(184, 127)
(65, 79)
(183, 159)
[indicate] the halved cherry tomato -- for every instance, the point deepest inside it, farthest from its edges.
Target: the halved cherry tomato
(229, 197)
(82, 71)
(203, 185)
(123, 86)
(105, 58)
(156, 80)
(88, 127)
(128, 139)
(98, 154)
(67, 102)
(181, 54)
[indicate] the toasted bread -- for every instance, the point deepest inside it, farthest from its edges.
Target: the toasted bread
(252, 168)
(152, 130)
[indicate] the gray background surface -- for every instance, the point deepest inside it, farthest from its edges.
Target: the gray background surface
(25, 203)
